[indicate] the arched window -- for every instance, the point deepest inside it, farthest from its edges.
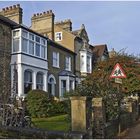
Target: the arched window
(51, 85)
(27, 81)
(39, 81)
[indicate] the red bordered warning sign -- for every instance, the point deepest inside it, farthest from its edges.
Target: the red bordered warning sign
(117, 72)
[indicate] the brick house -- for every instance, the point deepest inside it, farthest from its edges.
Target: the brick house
(69, 57)
(41, 63)
(6, 27)
(61, 32)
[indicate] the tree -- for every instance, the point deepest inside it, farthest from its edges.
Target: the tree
(98, 84)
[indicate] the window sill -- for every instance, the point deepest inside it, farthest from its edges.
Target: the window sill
(58, 40)
(56, 67)
(67, 70)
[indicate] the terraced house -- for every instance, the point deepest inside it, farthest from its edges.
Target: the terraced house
(40, 63)
(49, 55)
(6, 27)
(61, 32)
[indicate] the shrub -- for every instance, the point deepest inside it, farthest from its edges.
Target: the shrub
(38, 103)
(58, 107)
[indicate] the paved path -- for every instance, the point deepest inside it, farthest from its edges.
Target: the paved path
(133, 132)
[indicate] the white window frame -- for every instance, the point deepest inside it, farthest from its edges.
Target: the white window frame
(28, 83)
(55, 59)
(40, 84)
(58, 36)
(68, 63)
(16, 37)
(20, 36)
(89, 64)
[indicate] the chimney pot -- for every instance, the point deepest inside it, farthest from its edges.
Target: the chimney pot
(34, 15)
(11, 7)
(3, 9)
(18, 5)
(37, 14)
(14, 6)
(47, 12)
(50, 11)
(44, 12)
(7, 8)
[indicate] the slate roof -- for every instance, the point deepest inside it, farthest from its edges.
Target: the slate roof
(7, 21)
(76, 32)
(98, 50)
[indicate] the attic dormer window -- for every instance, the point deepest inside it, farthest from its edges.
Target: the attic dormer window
(58, 36)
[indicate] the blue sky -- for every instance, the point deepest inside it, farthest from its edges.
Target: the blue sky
(116, 24)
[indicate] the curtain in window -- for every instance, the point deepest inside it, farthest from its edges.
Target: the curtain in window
(39, 81)
(27, 81)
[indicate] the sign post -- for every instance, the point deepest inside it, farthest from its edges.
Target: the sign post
(118, 74)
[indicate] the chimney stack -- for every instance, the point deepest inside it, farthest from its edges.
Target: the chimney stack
(43, 23)
(66, 24)
(13, 13)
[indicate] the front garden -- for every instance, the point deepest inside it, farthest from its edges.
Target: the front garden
(57, 123)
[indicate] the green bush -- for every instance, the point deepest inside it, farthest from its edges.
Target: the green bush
(58, 107)
(38, 103)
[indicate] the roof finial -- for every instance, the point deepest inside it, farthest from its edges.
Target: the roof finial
(82, 26)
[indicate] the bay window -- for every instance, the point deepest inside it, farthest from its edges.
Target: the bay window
(29, 43)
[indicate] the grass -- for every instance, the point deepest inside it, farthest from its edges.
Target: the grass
(58, 123)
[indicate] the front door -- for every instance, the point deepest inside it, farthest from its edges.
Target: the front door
(63, 87)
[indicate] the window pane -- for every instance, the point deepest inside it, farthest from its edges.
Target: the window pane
(37, 50)
(31, 47)
(24, 45)
(28, 77)
(25, 34)
(27, 81)
(39, 81)
(68, 63)
(16, 45)
(43, 51)
(71, 85)
(31, 36)
(16, 33)
(37, 39)
(55, 59)
(39, 78)
(58, 36)
(43, 41)
(88, 64)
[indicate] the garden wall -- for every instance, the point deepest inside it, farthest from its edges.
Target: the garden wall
(112, 127)
(33, 133)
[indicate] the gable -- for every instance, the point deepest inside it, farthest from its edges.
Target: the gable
(83, 34)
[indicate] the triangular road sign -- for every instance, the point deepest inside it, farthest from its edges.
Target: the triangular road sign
(117, 72)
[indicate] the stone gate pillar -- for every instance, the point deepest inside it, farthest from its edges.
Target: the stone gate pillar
(131, 107)
(99, 117)
(80, 113)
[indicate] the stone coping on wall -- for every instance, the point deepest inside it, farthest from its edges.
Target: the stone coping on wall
(84, 98)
